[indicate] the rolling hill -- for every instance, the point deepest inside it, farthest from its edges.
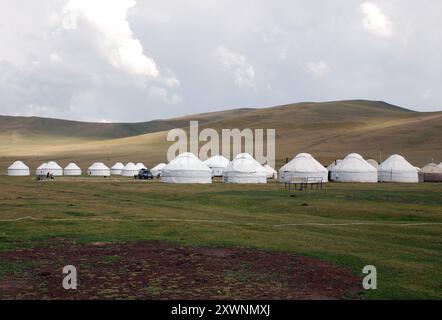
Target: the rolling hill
(328, 130)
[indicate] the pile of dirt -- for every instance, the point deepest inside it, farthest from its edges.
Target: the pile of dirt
(158, 270)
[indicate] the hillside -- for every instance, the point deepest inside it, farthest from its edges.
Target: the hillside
(328, 130)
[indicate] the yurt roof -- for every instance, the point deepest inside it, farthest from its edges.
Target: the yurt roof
(304, 162)
(98, 166)
(244, 162)
(18, 165)
(159, 166)
(269, 169)
(43, 165)
(217, 161)
(187, 161)
(118, 166)
(432, 168)
(396, 163)
(52, 165)
(130, 166)
(140, 165)
(72, 166)
(354, 162)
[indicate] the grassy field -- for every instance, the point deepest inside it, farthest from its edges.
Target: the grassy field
(397, 228)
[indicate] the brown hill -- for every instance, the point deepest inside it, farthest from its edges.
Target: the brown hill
(328, 130)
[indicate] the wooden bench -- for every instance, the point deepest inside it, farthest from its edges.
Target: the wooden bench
(304, 183)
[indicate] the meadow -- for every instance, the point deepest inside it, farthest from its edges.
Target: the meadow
(395, 227)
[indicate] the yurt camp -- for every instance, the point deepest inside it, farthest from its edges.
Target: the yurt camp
(18, 169)
(156, 171)
(186, 168)
(432, 173)
(397, 169)
(129, 170)
(72, 170)
(271, 173)
(303, 166)
(354, 169)
(98, 169)
(217, 164)
(116, 169)
(245, 169)
(373, 162)
(52, 168)
(40, 168)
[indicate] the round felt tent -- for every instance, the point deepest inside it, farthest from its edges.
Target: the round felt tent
(18, 169)
(432, 173)
(354, 169)
(156, 171)
(116, 169)
(245, 169)
(397, 169)
(303, 166)
(271, 173)
(40, 168)
(217, 164)
(130, 170)
(52, 168)
(186, 168)
(140, 166)
(98, 169)
(72, 170)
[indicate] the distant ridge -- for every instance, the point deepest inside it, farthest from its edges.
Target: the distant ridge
(328, 130)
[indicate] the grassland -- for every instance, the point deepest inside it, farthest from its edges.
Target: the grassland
(397, 228)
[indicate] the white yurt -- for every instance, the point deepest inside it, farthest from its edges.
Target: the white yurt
(303, 166)
(245, 169)
(117, 169)
(217, 164)
(40, 168)
(432, 173)
(72, 170)
(130, 170)
(271, 173)
(18, 169)
(156, 171)
(397, 169)
(52, 168)
(98, 169)
(440, 164)
(373, 162)
(354, 169)
(186, 168)
(140, 166)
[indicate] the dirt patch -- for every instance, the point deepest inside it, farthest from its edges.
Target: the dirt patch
(157, 270)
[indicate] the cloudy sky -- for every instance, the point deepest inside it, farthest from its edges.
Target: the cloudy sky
(127, 60)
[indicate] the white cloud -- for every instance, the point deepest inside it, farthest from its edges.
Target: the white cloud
(243, 71)
(55, 57)
(375, 21)
(318, 69)
(161, 94)
(122, 49)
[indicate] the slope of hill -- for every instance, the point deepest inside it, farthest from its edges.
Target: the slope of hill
(328, 130)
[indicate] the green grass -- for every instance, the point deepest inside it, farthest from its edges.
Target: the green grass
(408, 258)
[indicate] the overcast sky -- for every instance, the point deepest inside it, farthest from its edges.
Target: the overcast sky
(127, 60)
